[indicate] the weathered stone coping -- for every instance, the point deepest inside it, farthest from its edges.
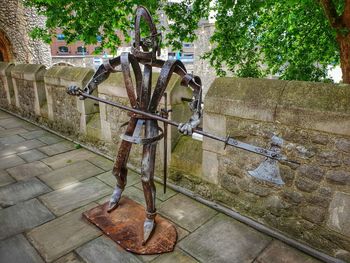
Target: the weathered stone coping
(317, 106)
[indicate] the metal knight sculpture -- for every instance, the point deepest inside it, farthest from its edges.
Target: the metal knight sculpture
(144, 114)
(144, 52)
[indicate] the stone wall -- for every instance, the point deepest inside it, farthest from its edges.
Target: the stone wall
(16, 22)
(66, 113)
(313, 119)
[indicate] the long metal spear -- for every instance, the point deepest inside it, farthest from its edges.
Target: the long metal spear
(228, 140)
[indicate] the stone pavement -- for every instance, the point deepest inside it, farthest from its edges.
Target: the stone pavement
(46, 184)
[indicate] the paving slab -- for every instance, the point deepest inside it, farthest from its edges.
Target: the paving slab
(17, 249)
(160, 191)
(4, 115)
(186, 212)
(70, 174)
(178, 256)
(62, 235)
(105, 250)
(10, 161)
(70, 258)
(23, 216)
(28, 170)
(21, 191)
(50, 139)
(75, 195)
(34, 134)
(278, 252)
(68, 158)
(11, 122)
(102, 162)
(224, 239)
(5, 178)
(20, 147)
(57, 148)
(32, 155)
(7, 132)
(11, 139)
(109, 179)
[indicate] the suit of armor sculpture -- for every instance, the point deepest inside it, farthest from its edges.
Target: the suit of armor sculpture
(144, 52)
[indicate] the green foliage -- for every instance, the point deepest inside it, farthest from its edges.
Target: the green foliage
(253, 38)
(291, 39)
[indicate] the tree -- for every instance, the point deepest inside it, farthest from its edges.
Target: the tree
(294, 39)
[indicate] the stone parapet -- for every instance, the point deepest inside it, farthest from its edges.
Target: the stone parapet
(7, 96)
(67, 113)
(29, 90)
(314, 121)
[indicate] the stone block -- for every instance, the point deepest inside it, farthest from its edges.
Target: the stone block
(313, 213)
(101, 162)
(186, 212)
(108, 178)
(50, 139)
(176, 256)
(17, 249)
(21, 191)
(32, 155)
(69, 258)
(159, 191)
(8, 140)
(313, 172)
(64, 159)
(70, 174)
(28, 170)
(20, 147)
(103, 249)
(306, 185)
(34, 134)
(210, 167)
(22, 217)
(7, 132)
(75, 195)
(57, 148)
(343, 145)
(62, 235)
(216, 124)
(338, 177)
(339, 213)
(223, 239)
(10, 161)
(278, 252)
(5, 179)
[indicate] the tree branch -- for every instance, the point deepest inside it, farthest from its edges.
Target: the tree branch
(331, 13)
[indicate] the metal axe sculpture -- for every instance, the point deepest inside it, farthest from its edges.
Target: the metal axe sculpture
(144, 114)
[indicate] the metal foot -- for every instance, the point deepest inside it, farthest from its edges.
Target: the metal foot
(114, 201)
(148, 228)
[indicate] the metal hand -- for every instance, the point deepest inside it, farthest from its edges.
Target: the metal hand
(187, 128)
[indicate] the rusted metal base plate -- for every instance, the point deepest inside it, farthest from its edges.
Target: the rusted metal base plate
(124, 225)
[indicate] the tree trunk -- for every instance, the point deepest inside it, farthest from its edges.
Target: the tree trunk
(344, 45)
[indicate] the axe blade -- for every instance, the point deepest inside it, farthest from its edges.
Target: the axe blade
(268, 171)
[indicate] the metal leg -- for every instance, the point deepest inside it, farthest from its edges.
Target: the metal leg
(120, 170)
(147, 170)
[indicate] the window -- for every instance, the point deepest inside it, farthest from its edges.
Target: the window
(171, 55)
(62, 49)
(187, 56)
(81, 50)
(187, 45)
(60, 37)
